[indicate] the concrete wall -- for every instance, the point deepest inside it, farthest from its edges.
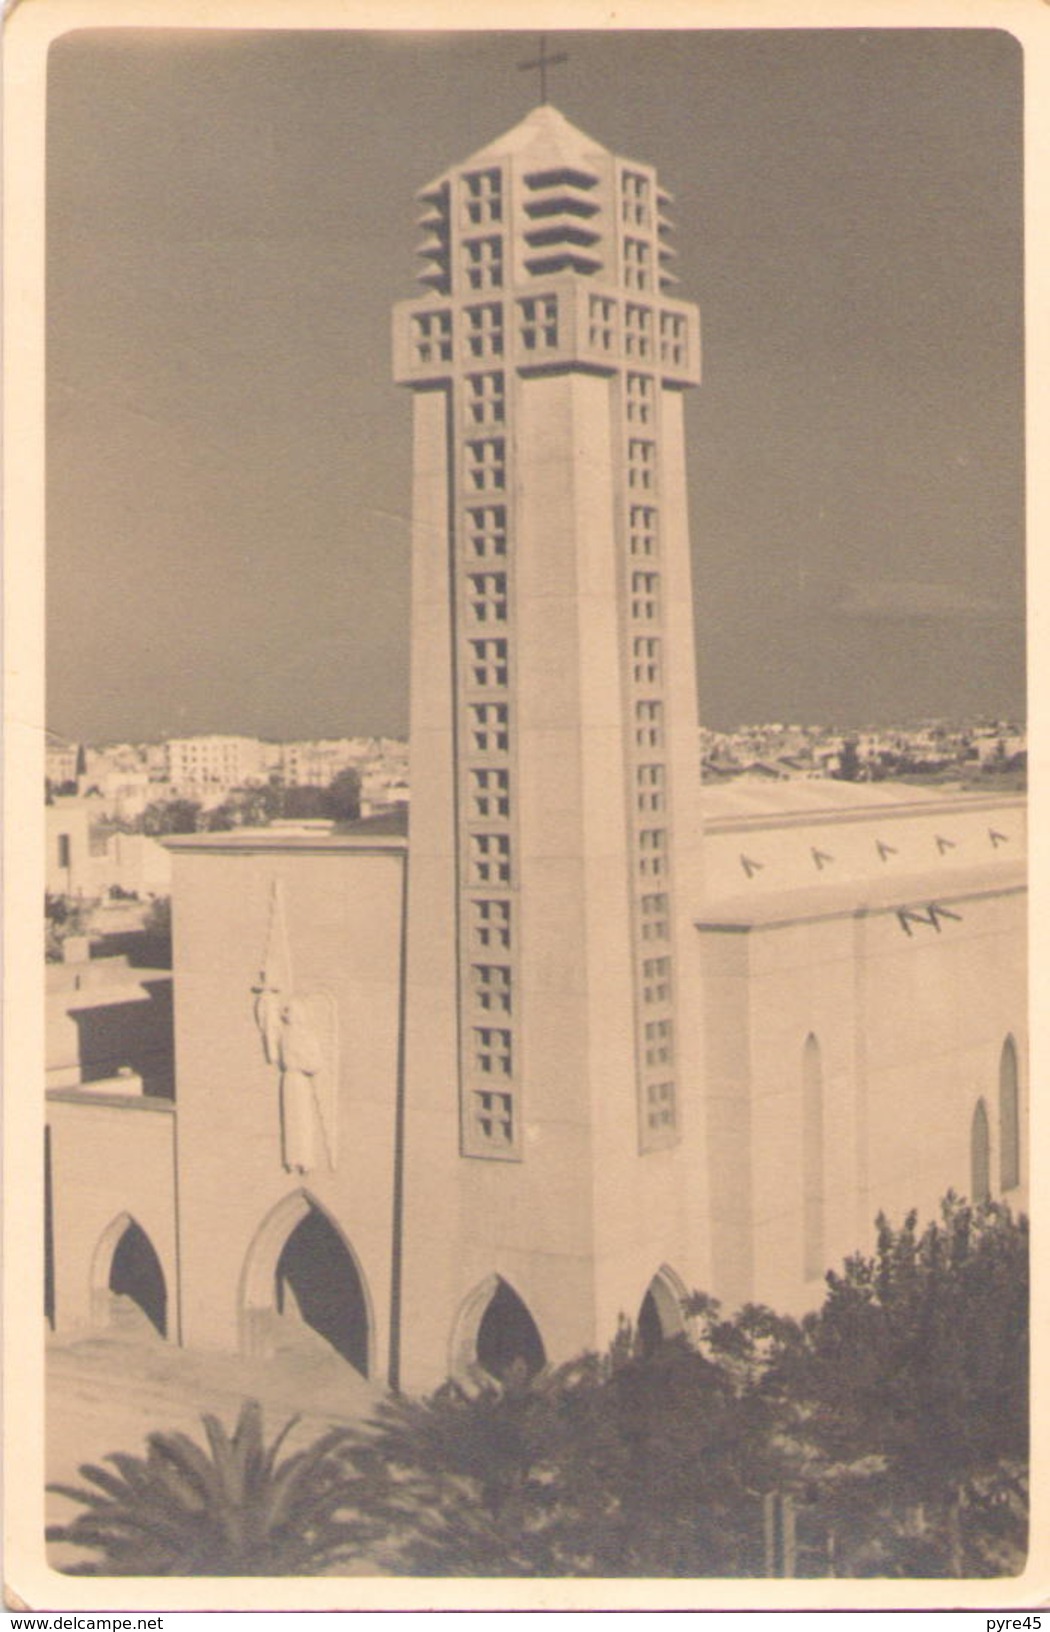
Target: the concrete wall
(910, 1030)
(891, 832)
(110, 1163)
(580, 1223)
(68, 823)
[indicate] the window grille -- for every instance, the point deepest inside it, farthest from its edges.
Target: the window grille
(484, 329)
(432, 337)
(487, 531)
(488, 663)
(483, 263)
(485, 400)
(538, 322)
(483, 197)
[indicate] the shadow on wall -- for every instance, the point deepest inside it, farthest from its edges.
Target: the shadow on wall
(143, 948)
(135, 1275)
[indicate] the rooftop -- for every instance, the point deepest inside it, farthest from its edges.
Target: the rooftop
(741, 799)
(385, 832)
(910, 893)
(543, 140)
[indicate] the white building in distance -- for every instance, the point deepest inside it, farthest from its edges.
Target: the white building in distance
(213, 764)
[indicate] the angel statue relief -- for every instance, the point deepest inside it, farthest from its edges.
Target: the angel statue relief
(301, 1064)
(299, 1036)
(268, 1015)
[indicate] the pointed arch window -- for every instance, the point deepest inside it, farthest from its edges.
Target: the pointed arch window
(1009, 1118)
(980, 1163)
(812, 1160)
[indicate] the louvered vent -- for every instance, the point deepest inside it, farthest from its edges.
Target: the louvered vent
(565, 236)
(665, 228)
(435, 248)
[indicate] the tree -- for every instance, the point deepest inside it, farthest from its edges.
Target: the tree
(920, 1352)
(343, 796)
(62, 918)
(245, 807)
(231, 1510)
(849, 761)
(894, 1417)
(304, 804)
(171, 816)
(627, 1464)
(908, 1392)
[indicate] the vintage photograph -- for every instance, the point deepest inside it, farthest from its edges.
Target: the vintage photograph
(535, 797)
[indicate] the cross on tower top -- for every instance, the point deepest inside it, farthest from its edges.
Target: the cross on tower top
(543, 62)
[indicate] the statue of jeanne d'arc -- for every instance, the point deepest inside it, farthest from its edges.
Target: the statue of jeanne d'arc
(268, 1005)
(299, 1036)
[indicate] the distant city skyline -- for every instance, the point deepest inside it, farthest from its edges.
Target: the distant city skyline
(55, 741)
(231, 216)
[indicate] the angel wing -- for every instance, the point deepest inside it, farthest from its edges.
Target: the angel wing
(322, 1016)
(275, 976)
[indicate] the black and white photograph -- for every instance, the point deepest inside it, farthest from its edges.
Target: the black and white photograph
(532, 787)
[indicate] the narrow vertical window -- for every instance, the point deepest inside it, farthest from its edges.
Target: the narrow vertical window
(484, 330)
(660, 1108)
(488, 665)
(643, 530)
(489, 732)
(637, 260)
(673, 336)
(432, 337)
(645, 596)
(641, 464)
(635, 199)
(813, 1264)
(485, 405)
(1009, 1119)
(483, 200)
(490, 924)
(487, 464)
(487, 596)
(483, 263)
(487, 530)
(638, 330)
(601, 333)
(538, 322)
(640, 399)
(980, 1162)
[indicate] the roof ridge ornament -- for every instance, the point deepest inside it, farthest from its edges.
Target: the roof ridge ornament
(543, 62)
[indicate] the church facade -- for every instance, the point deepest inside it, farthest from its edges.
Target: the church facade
(590, 1036)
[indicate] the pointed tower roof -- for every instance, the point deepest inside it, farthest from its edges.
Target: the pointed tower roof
(543, 140)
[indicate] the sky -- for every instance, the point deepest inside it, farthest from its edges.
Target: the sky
(231, 215)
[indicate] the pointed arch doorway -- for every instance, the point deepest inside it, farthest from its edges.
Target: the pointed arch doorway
(660, 1317)
(303, 1288)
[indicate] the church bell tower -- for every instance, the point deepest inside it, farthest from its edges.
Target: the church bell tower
(554, 1155)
